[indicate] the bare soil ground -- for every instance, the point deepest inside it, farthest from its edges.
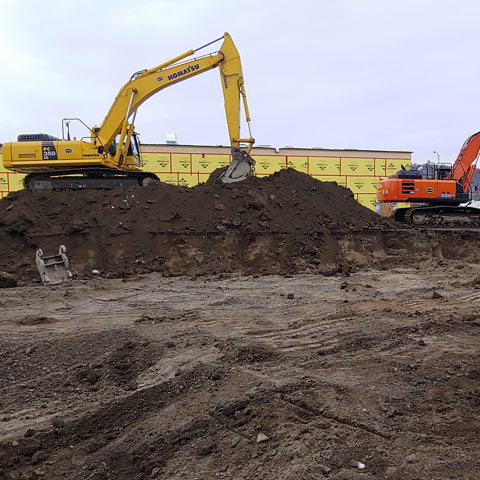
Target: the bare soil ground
(369, 375)
(273, 329)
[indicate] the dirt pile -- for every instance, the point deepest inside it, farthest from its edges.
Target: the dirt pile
(285, 223)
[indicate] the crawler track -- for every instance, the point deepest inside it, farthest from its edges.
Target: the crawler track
(82, 179)
(444, 216)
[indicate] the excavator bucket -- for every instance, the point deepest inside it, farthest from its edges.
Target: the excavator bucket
(241, 168)
(53, 269)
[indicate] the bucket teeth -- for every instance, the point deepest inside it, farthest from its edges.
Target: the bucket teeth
(241, 168)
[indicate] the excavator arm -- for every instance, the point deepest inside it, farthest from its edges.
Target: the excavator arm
(118, 125)
(464, 166)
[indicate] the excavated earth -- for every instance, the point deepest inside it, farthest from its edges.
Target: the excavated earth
(273, 329)
(284, 223)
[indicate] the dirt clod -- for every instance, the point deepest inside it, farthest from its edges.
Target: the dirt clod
(58, 422)
(28, 446)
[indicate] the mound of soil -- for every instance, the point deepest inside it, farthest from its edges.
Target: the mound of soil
(284, 223)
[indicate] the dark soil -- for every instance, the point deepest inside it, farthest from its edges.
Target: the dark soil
(278, 224)
(305, 338)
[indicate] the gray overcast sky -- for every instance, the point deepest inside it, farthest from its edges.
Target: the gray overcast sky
(362, 74)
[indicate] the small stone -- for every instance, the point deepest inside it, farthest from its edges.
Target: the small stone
(39, 456)
(199, 257)
(261, 437)
(30, 432)
(235, 442)
(290, 296)
(361, 466)
(29, 350)
(58, 422)
(206, 448)
(324, 468)
(27, 447)
(436, 295)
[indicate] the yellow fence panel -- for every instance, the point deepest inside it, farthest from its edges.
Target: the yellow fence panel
(4, 181)
(369, 201)
(269, 163)
(181, 162)
(15, 181)
(204, 163)
(374, 183)
(298, 163)
(380, 165)
(187, 180)
(393, 166)
(171, 178)
(324, 165)
(156, 162)
(362, 184)
(357, 166)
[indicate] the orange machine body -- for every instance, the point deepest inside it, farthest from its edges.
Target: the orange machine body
(434, 184)
(419, 190)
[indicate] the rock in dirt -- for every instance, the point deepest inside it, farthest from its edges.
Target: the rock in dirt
(261, 437)
(235, 442)
(58, 422)
(7, 280)
(28, 446)
(207, 447)
(39, 456)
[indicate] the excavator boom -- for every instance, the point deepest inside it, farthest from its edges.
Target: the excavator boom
(464, 166)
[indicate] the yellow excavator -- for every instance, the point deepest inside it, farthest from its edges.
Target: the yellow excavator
(110, 156)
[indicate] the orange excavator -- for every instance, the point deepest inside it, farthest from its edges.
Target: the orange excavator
(438, 193)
